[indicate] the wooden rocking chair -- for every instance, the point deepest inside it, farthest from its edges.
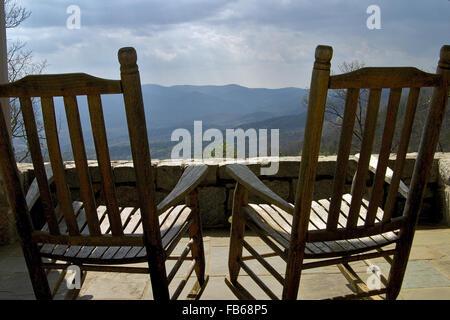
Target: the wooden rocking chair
(91, 236)
(342, 228)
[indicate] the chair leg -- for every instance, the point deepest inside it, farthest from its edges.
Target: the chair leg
(158, 275)
(293, 274)
(40, 285)
(397, 272)
(37, 273)
(195, 232)
(237, 232)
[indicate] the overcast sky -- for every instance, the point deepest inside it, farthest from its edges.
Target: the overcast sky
(254, 43)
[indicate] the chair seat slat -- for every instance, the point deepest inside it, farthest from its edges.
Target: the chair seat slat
(61, 249)
(171, 221)
(342, 221)
(272, 220)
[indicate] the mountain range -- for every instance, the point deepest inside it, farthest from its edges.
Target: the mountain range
(225, 107)
(168, 108)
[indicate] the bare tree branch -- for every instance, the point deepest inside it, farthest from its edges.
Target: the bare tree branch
(335, 107)
(15, 14)
(20, 64)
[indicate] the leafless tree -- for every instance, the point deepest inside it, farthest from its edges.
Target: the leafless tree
(423, 106)
(20, 63)
(335, 107)
(15, 14)
(336, 104)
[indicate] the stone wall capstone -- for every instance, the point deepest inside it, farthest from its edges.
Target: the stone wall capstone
(216, 191)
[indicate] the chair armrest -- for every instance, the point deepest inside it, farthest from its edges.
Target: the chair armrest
(373, 163)
(254, 185)
(191, 178)
(33, 192)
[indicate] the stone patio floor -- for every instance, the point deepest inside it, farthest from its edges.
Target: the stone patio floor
(427, 276)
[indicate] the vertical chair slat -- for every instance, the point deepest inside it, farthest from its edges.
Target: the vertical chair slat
(359, 182)
(54, 151)
(34, 146)
(388, 134)
(411, 106)
(104, 162)
(345, 143)
(79, 153)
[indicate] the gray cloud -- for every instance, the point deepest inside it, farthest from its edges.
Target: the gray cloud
(257, 43)
(124, 13)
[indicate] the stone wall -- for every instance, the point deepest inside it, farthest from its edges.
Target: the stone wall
(5, 215)
(444, 189)
(216, 192)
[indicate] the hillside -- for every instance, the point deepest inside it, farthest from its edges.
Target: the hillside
(169, 108)
(227, 107)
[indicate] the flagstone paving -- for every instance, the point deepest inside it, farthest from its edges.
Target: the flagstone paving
(427, 276)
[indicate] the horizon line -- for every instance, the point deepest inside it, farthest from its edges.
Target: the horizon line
(220, 85)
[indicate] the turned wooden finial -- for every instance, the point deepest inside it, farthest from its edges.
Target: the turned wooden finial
(323, 57)
(127, 59)
(444, 59)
